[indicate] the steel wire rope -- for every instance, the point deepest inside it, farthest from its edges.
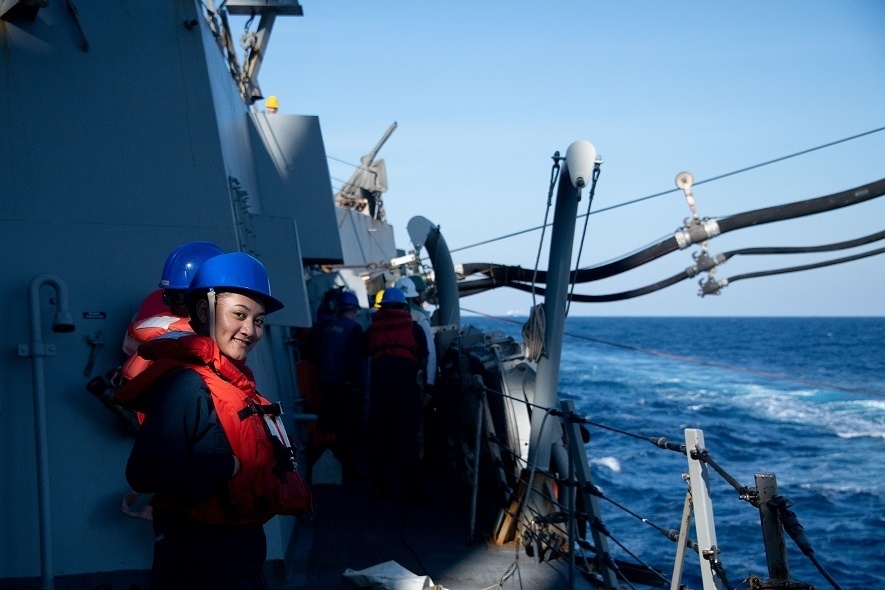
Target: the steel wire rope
(525, 463)
(670, 534)
(661, 442)
(573, 276)
(530, 483)
(533, 468)
(699, 182)
(519, 512)
(533, 330)
(554, 175)
(700, 454)
(824, 572)
(526, 402)
(685, 359)
(719, 571)
(504, 275)
(613, 564)
(704, 455)
(556, 502)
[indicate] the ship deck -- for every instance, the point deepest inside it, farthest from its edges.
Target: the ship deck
(349, 530)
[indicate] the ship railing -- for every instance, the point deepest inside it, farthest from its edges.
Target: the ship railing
(549, 526)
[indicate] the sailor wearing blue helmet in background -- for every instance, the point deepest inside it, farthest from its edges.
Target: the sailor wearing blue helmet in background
(341, 363)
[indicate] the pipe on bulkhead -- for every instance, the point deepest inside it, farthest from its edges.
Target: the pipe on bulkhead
(37, 350)
(424, 233)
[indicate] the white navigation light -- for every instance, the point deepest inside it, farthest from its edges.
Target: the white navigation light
(580, 158)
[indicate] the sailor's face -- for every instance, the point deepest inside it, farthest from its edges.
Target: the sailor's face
(239, 324)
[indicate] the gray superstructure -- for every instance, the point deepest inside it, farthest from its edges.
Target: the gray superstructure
(124, 135)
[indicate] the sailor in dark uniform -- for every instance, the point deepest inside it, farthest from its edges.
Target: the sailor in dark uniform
(397, 350)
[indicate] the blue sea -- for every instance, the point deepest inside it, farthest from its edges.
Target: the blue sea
(802, 398)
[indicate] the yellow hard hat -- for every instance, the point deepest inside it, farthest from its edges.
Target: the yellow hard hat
(272, 102)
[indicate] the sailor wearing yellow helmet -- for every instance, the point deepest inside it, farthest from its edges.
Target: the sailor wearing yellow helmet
(272, 105)
(378, 297)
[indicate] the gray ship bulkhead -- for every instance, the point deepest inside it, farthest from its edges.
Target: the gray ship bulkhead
(110, 157)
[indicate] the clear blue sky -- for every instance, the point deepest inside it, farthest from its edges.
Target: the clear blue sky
(485, 92)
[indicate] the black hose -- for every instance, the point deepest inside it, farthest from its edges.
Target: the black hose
(505, 274)
(805, 266)
(467, 288)
(802, 208)
(806, 249)
(581, 298)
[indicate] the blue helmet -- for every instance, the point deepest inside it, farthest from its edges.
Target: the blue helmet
(183, 262)
(236, 271)
(393, 296)
(420, 283)
(348, 299)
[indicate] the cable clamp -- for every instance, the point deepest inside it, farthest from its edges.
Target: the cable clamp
(696, 231)
(711, 286)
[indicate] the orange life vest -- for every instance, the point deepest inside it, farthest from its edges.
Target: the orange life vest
(142, 330)
(390, 334)
(267, 483)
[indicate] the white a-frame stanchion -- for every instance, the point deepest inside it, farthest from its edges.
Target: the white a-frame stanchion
(703, 508)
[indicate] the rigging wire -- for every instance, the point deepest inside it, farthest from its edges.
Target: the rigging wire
(667, 192)
(699, 361)
(596, 169)
(788, 518)
(685, 237)
(554, 175)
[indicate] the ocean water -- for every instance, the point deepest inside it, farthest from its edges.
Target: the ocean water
(802, 398)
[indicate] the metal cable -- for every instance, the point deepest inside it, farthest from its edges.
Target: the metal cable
(788, 518)
(596, 169)
(554, 174)
(704, 455)
(667, 192)
(611, 562)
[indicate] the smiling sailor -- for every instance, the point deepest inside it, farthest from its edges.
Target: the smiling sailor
(211, 448)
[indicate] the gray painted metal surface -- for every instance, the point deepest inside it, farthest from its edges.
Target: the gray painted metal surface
(110, 157)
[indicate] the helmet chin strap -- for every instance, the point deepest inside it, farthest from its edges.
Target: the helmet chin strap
(211, 297)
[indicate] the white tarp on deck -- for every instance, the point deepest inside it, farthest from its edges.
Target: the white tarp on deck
(389, 576)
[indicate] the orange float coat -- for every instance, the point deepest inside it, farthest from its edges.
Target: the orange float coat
(154, 318)
(267, 483)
